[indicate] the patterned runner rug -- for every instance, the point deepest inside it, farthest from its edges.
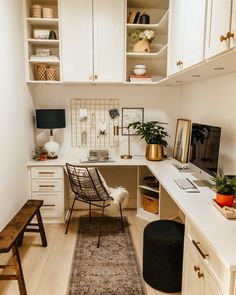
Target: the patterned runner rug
(111, 269)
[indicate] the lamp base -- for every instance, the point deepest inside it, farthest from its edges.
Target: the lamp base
(126, 157)
(52, 147)
(52, 157)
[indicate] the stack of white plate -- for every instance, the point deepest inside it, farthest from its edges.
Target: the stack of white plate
(37, 11)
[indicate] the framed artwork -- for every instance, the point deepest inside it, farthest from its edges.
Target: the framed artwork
(182, 136)
(131, 115)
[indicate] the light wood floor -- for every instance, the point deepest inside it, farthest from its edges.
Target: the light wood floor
(47, 270)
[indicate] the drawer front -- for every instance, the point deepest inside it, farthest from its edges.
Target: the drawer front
(52, 204)
(46, 185)
(211, 261)
(46, 172)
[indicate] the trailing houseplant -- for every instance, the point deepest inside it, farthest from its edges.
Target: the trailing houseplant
(155, 135)
(225, 187)
(39, 153)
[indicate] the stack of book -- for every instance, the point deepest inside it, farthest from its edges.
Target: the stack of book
(44, 58)
(140, 78)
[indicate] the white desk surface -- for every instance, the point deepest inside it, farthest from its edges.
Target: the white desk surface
(197, 207)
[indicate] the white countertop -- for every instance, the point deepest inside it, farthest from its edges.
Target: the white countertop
(197, 207)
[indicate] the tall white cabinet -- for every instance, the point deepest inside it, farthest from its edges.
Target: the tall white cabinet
(93, 40)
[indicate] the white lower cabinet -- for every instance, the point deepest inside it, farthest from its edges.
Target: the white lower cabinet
(47, 184)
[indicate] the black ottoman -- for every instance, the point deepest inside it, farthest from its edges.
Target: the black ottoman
(163, 255)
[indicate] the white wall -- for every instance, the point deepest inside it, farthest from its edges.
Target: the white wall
(214, 102)
(159, 103)
(15, 112)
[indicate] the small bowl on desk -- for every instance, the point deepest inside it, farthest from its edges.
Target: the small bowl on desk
(151, 181)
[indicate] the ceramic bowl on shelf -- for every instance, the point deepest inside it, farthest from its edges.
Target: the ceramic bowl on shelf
(140, 70)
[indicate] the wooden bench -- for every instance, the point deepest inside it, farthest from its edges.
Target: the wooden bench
(11, 237)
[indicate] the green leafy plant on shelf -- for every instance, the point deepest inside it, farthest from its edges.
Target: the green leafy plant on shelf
(224, 185)
(39, 153)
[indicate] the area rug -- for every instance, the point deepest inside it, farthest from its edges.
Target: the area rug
(110, 269)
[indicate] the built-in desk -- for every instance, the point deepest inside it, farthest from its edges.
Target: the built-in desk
(213, 234)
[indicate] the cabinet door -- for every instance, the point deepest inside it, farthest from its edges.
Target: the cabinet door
(175, 36)
(211, 287)
(76, 30)
(109, 38)
(218, 24)
(194, 36)
(192, 284)
(233, 25)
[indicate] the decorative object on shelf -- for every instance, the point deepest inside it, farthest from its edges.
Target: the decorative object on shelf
(40, 71)
(131, 17)
(182, 136)
(225, 187)
(114, 113)
(43, 52)
(155, 136)
(51, 74)
(140, 78)
(116, 133)
(51, 119)
(52, 35)
(144, 19)
(40, 154)
(144, 40)
(131, 115)
(136, 17)
(41, 34)
(47, 12)
(37, 11)
(151, 181)
(140, 70)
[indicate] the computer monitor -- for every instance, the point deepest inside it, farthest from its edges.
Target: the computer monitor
(204, 149)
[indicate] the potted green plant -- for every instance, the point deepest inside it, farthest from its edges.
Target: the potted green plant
(225, 187)
(155, 136)
(39, 153)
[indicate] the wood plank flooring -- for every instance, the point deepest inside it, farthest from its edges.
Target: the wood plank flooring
(47, 270)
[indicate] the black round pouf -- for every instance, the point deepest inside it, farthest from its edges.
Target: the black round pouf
(163, 255)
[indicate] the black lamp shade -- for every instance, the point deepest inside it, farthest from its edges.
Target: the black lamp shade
(50, 118)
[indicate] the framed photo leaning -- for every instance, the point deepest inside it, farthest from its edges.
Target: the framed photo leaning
(182, 136)
(131, 115)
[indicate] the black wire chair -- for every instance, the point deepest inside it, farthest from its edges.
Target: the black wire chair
(88, 187)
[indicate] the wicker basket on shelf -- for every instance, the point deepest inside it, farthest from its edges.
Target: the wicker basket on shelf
(40, 71)
(51, 74)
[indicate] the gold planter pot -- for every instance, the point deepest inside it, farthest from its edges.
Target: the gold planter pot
(154, 152)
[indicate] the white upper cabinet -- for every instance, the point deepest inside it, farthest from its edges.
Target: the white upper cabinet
(194, 36)
(218, 25)
(76, 30)
(93, 40)
(175, 36)
(109, 40)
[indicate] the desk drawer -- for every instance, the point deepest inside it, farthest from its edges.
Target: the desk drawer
(51, 204)
(208, 256)
(46, 185)
(46, 172)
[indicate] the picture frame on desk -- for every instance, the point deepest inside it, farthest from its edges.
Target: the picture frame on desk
(182, 137)
(131, 115)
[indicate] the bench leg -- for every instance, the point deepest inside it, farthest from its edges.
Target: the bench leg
(19, 272)
(20, 240)
(41, 229)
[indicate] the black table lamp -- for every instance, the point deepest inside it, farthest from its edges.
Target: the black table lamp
(51, 119)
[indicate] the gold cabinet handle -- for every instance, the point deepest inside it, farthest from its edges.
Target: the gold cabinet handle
(223, 38)
(196, 244)
(47, 173)
(46, 185)
(196, 268)
(95, 77)
(179, 63)
(200, 275)
(230, 35)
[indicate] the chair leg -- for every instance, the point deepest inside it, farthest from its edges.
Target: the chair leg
(121, 218)
(100, 225)
(68, 222)
(90, 214)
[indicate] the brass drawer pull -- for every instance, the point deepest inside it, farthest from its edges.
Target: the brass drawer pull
(196, 268)
(46, 185)
(49, 205)
(223, 38)
(196, 244)
(230, 35)
(179, 63)
(45, 173)
(200, 275)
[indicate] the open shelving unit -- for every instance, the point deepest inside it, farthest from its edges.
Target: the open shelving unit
(32, 44)
(156, 60)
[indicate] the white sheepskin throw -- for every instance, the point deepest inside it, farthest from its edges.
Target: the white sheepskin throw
(120, 196)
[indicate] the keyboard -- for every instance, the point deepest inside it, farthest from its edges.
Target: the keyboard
(185, 183)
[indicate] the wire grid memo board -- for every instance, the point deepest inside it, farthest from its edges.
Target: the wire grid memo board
(89, 118)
